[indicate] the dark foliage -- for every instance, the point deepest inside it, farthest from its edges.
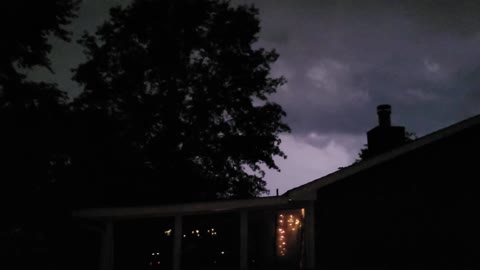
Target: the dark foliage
(175, 104)
(31, 138)
(26, 26)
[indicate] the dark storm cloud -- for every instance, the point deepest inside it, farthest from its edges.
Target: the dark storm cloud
(342, 58)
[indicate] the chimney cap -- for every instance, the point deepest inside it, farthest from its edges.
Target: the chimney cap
(384, 108)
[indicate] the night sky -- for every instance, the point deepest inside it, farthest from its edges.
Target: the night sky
(341, 59)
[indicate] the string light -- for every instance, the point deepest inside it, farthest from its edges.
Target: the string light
(288, 224)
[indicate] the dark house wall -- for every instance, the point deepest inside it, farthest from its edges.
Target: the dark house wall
(418, 211)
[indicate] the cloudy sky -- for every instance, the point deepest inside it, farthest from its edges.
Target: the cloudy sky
(341, 59)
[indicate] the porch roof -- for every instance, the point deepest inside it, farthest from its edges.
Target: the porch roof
(188, 208)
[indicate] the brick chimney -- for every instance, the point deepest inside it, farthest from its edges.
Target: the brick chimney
(384, 137)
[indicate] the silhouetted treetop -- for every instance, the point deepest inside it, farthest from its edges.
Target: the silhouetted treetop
(187, 93)
(26, 27)
(28, 24)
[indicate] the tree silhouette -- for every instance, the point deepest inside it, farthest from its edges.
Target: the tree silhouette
(175, 101)
(30, 111)
(31, 116)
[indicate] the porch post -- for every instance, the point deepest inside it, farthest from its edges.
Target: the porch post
(310, 235)
(243, 240)
(177, 242)
(107, 252)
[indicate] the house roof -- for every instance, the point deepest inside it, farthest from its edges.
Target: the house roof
(308, 190)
